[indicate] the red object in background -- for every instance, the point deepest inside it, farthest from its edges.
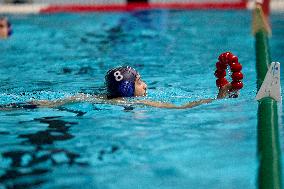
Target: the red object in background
(236, 67)
(225, 59)
(237, 76)
(221, 66)
(237, 85)
(234, 59)
(220, 73)
(228, 57)
(132, 6)
(221, 82)
(265, 7)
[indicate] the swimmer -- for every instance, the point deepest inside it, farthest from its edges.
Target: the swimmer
(123, 82)
(5, 28)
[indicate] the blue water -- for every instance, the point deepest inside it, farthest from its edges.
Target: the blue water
(108, 146)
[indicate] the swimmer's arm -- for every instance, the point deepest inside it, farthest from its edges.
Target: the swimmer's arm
(60, 102)
(223, 92)
(172, 106)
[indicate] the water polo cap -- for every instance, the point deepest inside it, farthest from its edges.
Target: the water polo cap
(120, 82)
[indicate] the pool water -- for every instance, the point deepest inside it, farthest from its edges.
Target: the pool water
(109, 146)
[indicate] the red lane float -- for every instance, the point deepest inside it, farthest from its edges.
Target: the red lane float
(226, 59)
(240, 4)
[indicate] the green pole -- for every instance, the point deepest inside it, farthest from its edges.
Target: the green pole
(263, 59)
(269, 173)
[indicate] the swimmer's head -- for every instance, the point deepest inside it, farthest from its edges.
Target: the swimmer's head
(5, 28)
(124, 82)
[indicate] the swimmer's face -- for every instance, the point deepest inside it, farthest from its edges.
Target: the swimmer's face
(4, 28)
(140, 87)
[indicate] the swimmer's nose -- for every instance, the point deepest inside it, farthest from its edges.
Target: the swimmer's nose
(145, 89)
(145, 86)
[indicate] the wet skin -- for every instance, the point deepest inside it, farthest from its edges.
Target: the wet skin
(4, 29)
(140, 87)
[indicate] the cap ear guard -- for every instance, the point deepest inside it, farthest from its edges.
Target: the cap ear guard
(126, 89)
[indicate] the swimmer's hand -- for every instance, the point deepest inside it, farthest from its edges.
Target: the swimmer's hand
(224, 91)
(172, 106)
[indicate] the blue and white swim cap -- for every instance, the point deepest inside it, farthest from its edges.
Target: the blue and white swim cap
(120, 82)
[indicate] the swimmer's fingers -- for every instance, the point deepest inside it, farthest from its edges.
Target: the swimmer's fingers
(224, 91)
(228, 86)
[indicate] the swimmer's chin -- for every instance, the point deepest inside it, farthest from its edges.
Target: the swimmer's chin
(143, 95)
